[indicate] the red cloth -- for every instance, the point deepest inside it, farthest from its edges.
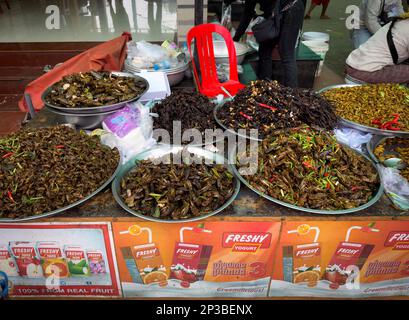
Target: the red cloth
(320, 2)
(108, 56)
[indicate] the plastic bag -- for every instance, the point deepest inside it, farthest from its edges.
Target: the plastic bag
(223, 71)
(396, 186)
(226, 18)
(130, 130)
(352, 138)
(145, 55)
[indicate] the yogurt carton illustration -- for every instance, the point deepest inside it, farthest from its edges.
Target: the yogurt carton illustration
(77, 261)
(27, 259)
(302, 263)
(7, 263)
(190, 260)
(347, 256)
(96, 261)
(148, 260)
(52, 260)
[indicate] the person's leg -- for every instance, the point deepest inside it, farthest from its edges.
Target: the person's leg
(389, 74)
(360, 36)
(312, 7)
(325, 4)
(265, 60)
(290, 29)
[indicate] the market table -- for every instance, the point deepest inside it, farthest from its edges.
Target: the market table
(253, 249)
(247, 203)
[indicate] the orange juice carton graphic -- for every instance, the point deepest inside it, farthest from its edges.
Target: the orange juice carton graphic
(302, 263)
(27, 259)
(392, 262)
(52, 260)
(348, 255)
(7, 263)
(190, 260)
(148, 261)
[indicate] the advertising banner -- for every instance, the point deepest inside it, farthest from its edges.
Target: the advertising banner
(210, 259)
(355, 259)
(59, 259)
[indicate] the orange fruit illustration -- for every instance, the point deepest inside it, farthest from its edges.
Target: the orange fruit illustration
(134, 230)
(307, 276)
(155, 276)
(303, 229)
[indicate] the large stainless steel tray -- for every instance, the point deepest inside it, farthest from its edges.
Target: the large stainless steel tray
(361, 127)
(75, 204)
(158, 152)
(101, 109)
(377, 195)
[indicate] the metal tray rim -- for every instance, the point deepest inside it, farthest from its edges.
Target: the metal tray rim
(167, 149)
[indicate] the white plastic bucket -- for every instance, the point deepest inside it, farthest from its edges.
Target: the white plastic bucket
(315, 36)
(320, 48)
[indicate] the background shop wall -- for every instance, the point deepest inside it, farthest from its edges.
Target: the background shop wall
(186, 17)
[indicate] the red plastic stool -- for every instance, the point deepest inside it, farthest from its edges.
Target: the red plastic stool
(209, 84)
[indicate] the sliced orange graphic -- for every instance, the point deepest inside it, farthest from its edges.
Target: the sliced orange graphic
(155, 276)
(134, 230)
(303, 229)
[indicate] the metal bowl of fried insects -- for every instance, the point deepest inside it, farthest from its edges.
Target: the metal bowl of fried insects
(377, 194)
(389, 152)
(100, 92)
(230, 130)
(101, 187)
(203, 195)
(359, 126)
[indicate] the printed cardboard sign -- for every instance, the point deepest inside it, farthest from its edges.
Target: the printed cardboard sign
(352, 259)
(59, 259)
(210, 259)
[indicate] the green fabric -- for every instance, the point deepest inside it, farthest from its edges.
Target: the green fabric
(303, 53)
(248, 74)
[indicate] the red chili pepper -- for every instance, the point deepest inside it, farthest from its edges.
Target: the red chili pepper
(8, 155)
(356, 188)
(308, 165)
(10, 196)
(59, 147)
(246, 116)
(392, 125)
(326, 174)
(328, 185)
(273, 178)
(396, 118)
(267, 106)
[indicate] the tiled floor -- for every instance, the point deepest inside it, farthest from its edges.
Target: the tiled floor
(87, 20)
